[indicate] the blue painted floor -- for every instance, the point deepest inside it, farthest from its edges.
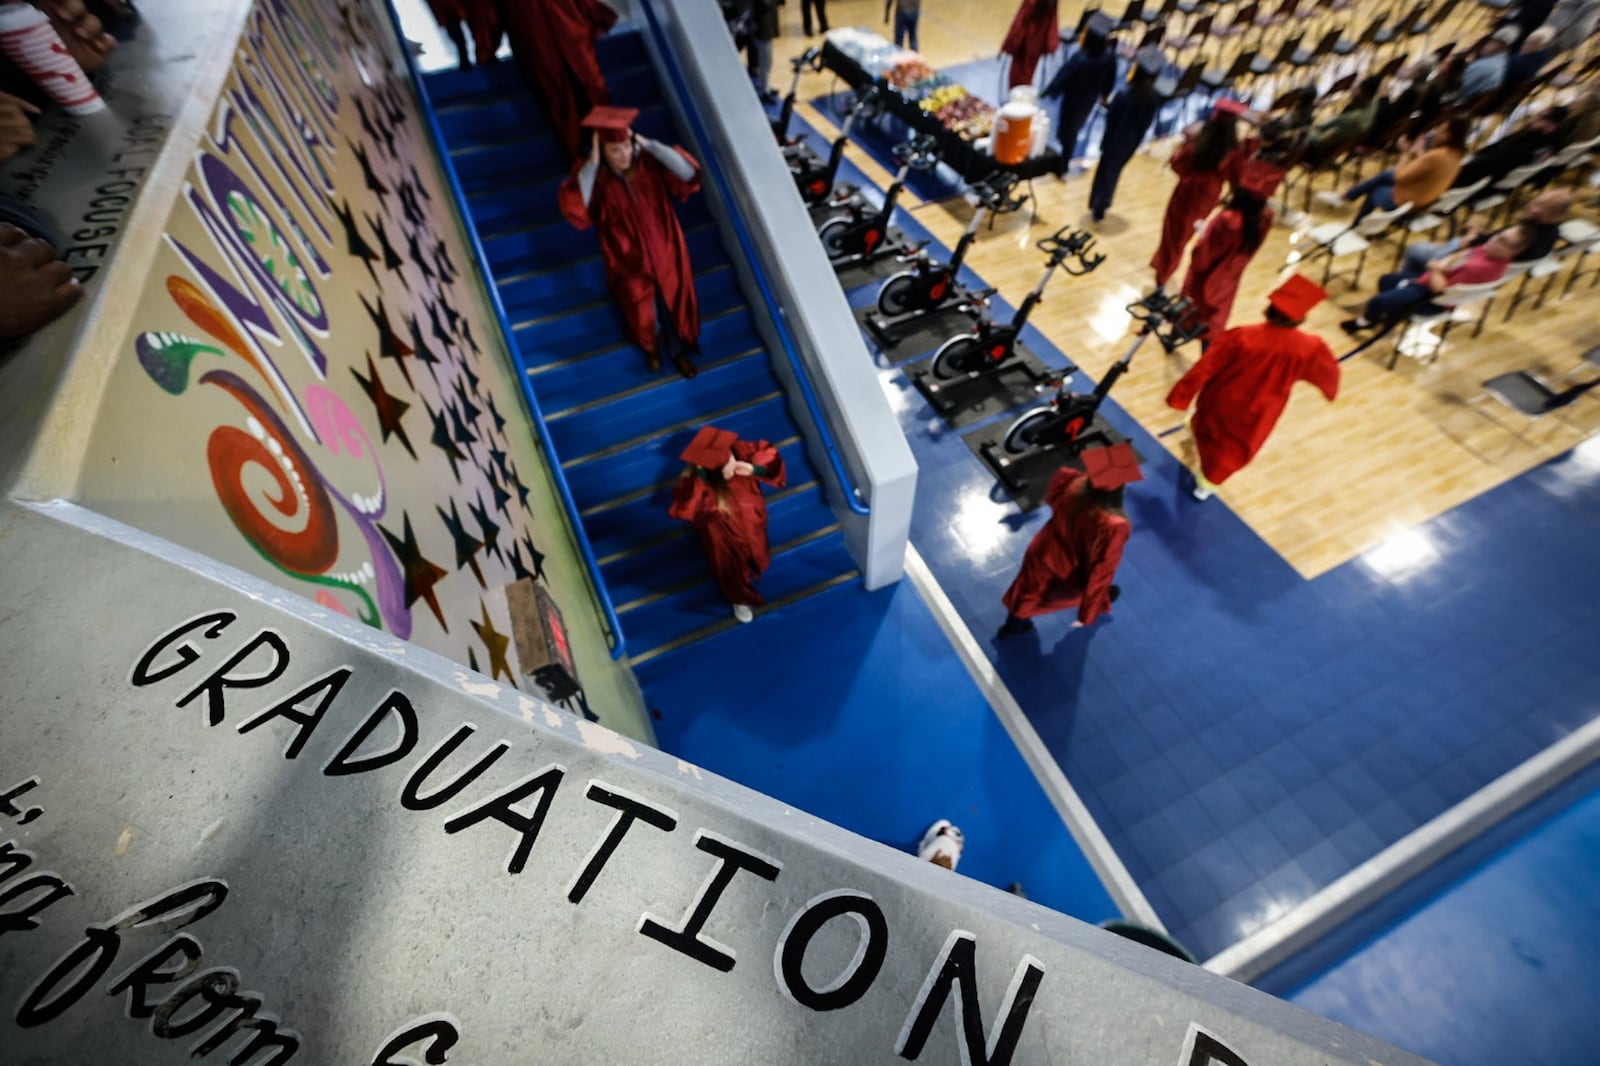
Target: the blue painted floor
(875, 726)
(1245, 737)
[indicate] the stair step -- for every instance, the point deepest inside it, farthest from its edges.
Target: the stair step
(673, 402)
(513, 111)
(620, 51)
(541, 234)
(657, 627)
(535, 152)
(598, 479)
(546, 336)
(546, 281)
(675, 558)
(622, 370)
(622, 522)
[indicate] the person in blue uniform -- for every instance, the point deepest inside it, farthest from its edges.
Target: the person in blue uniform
(1088, 76)
(1128, 119)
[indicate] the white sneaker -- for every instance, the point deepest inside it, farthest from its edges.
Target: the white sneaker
(1202, 493)
(743, 613)
(1331, 198)
(942, 844)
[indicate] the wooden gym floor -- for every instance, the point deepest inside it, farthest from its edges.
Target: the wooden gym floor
(1335, 480)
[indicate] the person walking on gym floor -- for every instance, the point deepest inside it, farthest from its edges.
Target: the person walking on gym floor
(718, 493)
(906, 14)
(1034, 34)
(758, 53)
(1242, 383)
(1073, 558)
(625, 190)
(1230, 240)
(1128, 119)
(1089, 76)
(806, 7)
(1207, 159)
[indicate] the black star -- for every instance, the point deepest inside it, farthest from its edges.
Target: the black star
(459, 428)
(414, 253)
(441, 439)
(518, 567)
(501, 496)
(420, 574)
(535, 554)
(472, 658)
(354, 242)
(499, 420)
(388, 408)
(442, 260)
(439, 334)
(516, 483)
(466, 335)
(391, 258)
(412, 210)
(419, 346)
(490, 531)
(451, 314)
(468, 412)
(416, 180)
(368, 127)
(499, 458)
(368, 175)
(467, 546)
(496, 643)
(390, 346)
(394, 105)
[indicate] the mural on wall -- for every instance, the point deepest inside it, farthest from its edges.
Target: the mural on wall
(320, 300)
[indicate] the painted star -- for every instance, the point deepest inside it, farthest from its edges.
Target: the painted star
(391, 258)
(516, 483)
(390, 346)
(501, 496)
(469, 411)
(424, 353)
(535, 554)
(394, 104)
(499, 419)
(416, 180)
(420, 574)
(490, 531)
(369, 175)
(466, 335)
(460, 430)
(466, 367)
(439, 334)
(414, 253)
(518, 567)
(467, 546)
(451, 314)
(442, 260)
(495, 642)
(385, 404)
(354, 242)
(442, 440)
(499, 458)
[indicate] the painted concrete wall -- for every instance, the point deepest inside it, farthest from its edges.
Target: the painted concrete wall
(310, 387)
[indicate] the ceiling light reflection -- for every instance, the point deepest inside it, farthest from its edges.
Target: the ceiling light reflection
(1402, 556)
(977, 523)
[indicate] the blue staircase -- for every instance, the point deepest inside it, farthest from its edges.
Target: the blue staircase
(618, 428)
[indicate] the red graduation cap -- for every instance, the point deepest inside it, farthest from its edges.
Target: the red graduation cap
(611, 124)
(1260, 178)
(710, 448)
(1231, 108)
(1112, 467)
(1297, 296)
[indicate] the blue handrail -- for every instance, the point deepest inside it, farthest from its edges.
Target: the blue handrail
(710, 165)
(458, 195)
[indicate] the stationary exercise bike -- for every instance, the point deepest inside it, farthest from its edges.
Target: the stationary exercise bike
(929, 286)
(1067, 420)
(816, 179)
(861, 235)
(810, 59)
(989, 348)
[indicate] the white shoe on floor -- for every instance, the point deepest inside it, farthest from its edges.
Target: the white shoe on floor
(942, 844)
(1202, 493)
(743, 613)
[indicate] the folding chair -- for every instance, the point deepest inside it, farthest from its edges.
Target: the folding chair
(1442, 210)
(1582, 236)
(1454, 304)
(1337, 240)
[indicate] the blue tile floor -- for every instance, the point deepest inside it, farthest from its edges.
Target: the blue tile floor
(875, 726)
(1243, 736)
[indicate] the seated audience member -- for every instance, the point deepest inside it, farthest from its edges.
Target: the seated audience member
(1538, 137)
(1349, 126)
(39, 287)
(1540, 222)
(1395, 107)
(1441, 87)
(1583, 117)
(1401, 295)
(1524, 65)
(1426, 168)
(1487, 71)
(1571, 22)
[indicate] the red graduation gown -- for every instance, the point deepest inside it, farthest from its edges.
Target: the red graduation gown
(1072, 560)
(553, 43)
(641, 242)
(1033, 34)
(1216, 267)
(734, 540)
(1240, 386)
(1195, 197)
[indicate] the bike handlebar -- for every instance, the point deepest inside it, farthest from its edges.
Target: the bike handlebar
(919, 153)
(811, 57)
(1077, 244)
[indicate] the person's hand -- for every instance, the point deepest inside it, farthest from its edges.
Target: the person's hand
(39, 287)
(16, 128)
(730, 469)
(80, 31)
(594, 147)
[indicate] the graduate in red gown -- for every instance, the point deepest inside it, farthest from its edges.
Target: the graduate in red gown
(719, 493)
(1242, 382)
(625, 190)
(1033, 35)
(1072, 560)
(1209, 157)
(552, 42)
(1227, 244)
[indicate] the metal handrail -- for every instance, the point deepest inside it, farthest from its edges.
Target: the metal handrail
(481, 261)
(710, 165)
